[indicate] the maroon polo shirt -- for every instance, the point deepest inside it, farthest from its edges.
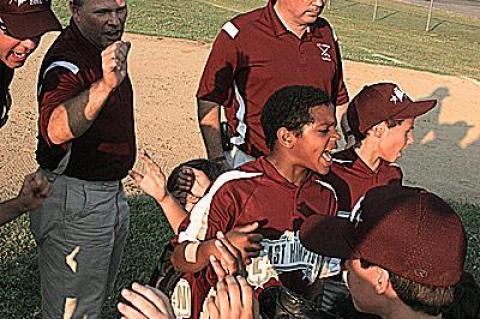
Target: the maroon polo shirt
(352, 178)
(280, 207)
(254, 56)
(106, 151)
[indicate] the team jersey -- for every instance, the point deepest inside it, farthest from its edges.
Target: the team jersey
(257, 192)
(254, 56)
(352, 178)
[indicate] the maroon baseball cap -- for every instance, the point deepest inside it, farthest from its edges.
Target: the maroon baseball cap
(25, 19)
(406, 230)
(383, 101)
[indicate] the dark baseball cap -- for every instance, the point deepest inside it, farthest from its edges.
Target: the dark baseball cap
(383, 101)
(25, 19)
(406, 230)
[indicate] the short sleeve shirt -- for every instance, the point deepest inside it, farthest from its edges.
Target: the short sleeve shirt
(254, 56)
(352, 178)
(106, 151)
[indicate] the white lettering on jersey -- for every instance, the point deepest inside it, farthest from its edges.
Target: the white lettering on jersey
(324, 54)
(287, 254)
(182, 299)
(231, 29)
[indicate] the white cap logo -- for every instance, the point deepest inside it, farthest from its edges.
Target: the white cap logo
(397, 95)
(32, 2)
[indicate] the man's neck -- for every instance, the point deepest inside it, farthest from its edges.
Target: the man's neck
(287, 20)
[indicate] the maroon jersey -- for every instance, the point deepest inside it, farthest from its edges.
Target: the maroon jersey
(257, 192)
(254, 56)
(352, 178)
(106, 151)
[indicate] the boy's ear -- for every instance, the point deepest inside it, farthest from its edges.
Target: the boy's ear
(379, 129)
(285, 137)
(382, 281)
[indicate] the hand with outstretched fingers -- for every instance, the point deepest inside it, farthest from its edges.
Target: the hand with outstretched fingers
(153, 181)
(245, 239)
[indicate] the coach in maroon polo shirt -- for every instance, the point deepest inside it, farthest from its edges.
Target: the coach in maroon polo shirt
(86, 145)
(254, 55)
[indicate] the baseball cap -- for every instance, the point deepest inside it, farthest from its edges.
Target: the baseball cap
(383, 101)
(406, 230)
(25, 19)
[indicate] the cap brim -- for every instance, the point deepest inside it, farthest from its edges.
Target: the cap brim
(415, 109)
(327, 236)
(31, 25)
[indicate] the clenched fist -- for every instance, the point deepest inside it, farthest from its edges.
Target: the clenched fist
(114, 63)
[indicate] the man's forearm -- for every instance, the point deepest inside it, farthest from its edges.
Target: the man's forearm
(209, 121)
(10, 210)
(72, 118)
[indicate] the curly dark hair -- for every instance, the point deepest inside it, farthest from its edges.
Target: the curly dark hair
(290, 107)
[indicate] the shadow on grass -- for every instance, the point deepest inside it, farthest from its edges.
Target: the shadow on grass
(439, 23)
(388, 15)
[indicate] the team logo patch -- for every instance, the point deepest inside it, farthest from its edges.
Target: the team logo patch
(287, 254)
(397, 95)
(324, 51)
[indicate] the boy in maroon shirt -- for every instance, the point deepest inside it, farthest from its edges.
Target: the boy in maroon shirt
(276, 192)
(381, 118)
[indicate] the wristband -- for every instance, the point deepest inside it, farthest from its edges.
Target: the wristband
(191, 252)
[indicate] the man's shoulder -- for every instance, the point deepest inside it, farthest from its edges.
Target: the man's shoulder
(242, 23)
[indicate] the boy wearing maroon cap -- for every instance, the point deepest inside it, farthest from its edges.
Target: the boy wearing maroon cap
(381, 117)
(405, 252)
(22, 24)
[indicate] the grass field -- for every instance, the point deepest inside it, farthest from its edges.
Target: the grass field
(397, 38)
(19, 293)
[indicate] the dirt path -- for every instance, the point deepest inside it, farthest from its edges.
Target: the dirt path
(165, 73)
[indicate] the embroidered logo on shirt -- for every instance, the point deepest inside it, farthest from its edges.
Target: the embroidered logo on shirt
(397, 95)
(324, 51)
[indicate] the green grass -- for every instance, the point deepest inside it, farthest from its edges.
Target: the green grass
(397, 38)
(20, 287)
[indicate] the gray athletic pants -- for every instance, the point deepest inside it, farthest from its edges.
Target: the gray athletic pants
(80, 233)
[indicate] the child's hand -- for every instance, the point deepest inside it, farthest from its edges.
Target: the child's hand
(34, 190)
(230, 261)
(153, 182)
(145, 303)
(246, 241)
(234, 299)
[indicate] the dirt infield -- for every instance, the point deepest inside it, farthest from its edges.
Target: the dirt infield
(165, 72)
